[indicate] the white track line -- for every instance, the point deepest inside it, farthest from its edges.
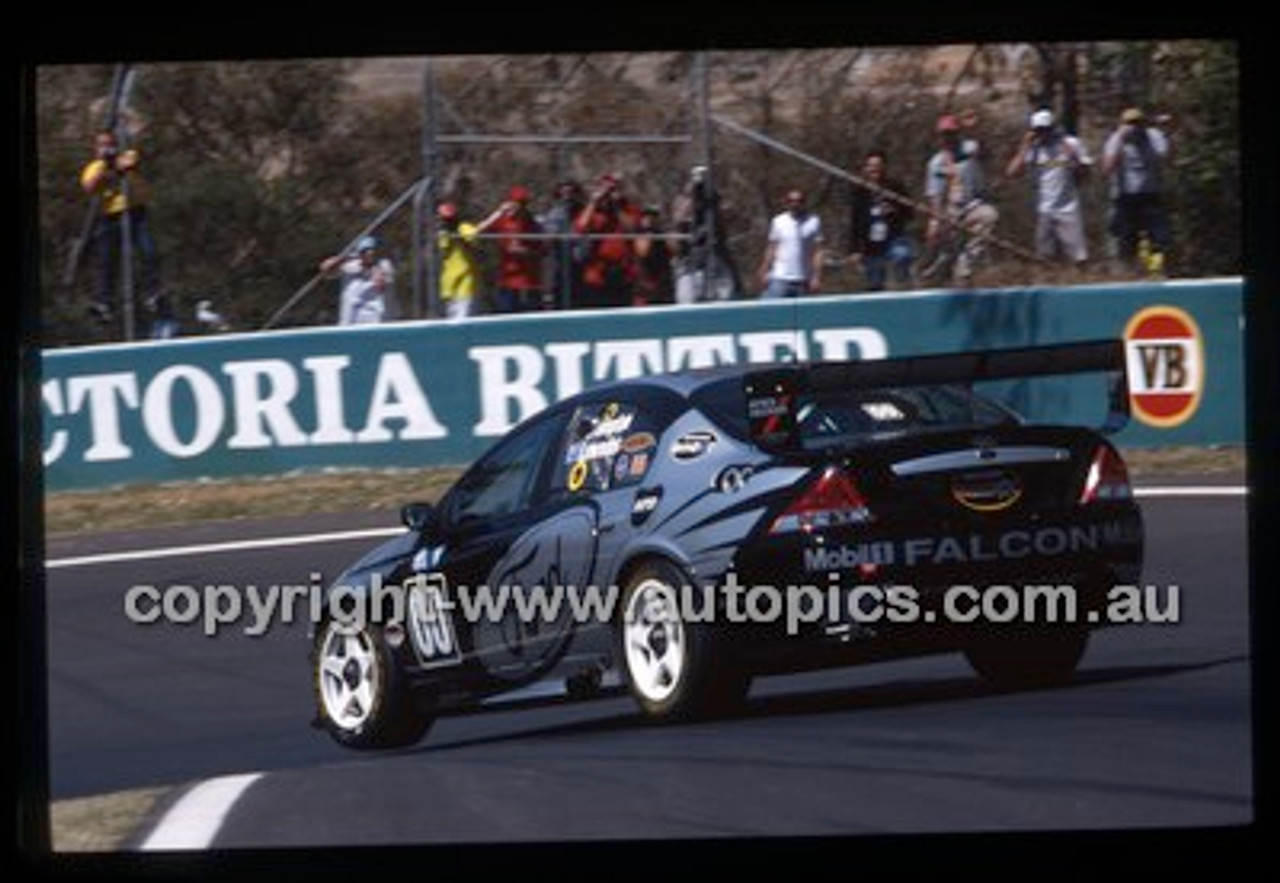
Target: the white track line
(230, 546)
(1225, 490)
(382, 532)
(195, 819)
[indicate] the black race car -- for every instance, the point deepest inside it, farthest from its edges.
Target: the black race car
(678, 535)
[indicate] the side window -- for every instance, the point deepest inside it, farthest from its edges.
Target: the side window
(502, 483)
(606, 445)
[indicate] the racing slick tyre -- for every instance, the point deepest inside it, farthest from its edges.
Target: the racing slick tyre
(361, 698)
(1028, 657)
(676, 669)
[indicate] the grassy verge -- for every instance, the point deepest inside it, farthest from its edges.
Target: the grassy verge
(1185, 461)
(142, 506)
(101, 823)
(80, 512)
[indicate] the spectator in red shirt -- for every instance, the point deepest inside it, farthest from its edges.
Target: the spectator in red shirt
(610, 268)
(519, 287)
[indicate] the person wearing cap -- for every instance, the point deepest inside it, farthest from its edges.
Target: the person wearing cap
(366, 283)
(609, 270)
(952, 189)
(459, 270)
(1133, 157)
(1058, 161)
(519, 282)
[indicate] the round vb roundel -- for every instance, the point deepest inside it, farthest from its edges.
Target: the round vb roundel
(1165, 360)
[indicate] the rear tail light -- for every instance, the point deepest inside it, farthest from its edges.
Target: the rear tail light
(833, 500)
(1107, 478)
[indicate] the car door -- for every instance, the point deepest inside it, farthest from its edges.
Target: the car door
(535, 525)
(494, 545)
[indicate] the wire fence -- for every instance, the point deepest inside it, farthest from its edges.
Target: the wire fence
(758, 123)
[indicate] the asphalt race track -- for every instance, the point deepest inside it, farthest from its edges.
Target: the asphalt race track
(1154, 733)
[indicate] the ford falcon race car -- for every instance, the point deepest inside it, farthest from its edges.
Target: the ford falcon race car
(675, 536)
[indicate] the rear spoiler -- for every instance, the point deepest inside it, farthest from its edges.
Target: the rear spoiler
(773, 394)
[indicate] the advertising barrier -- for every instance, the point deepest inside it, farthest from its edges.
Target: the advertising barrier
(413, 394)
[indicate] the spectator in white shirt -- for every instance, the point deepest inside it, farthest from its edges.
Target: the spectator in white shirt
(1057, 161)
(792, 263)
(366, 283)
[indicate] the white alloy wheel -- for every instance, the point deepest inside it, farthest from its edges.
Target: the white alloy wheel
(654, 640)
(350, 676)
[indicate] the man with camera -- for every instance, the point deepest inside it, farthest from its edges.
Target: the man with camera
(704, 267)
(1133, 157)
(1058, 161)
(519, 287)
(609, 271)
(367, 278)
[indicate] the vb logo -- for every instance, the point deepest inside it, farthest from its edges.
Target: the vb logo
(1165, 360)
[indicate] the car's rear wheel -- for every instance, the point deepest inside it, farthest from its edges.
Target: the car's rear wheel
(676, 669)
(361, 697)
(1028, 657)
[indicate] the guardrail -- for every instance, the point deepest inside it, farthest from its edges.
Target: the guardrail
(423, 393)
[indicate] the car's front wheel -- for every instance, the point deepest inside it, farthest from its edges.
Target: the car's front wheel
(676, 668)
(361, 697)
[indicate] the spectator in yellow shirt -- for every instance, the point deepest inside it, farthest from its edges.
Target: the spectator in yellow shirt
(459, 272)
(114, 179)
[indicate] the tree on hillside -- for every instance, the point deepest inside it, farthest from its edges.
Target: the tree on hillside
(257, 170)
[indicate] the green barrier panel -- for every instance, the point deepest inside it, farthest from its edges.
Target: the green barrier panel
(425, 393)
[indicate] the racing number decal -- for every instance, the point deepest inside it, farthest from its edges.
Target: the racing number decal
(1164, 353)
(430, 626)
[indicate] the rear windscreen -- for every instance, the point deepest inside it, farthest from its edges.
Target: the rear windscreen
(832, 419)
(827, 419)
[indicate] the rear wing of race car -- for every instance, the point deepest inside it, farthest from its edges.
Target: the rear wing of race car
(774, 394)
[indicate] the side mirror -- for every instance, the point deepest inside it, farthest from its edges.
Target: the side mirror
(418, 516)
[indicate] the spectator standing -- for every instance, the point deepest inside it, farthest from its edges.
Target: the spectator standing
(609, 271)
(959, 210)
(459, 271)
(654, 280)
(1133, 158)
(1058, 162)
(792, 262)
(114, 178)
(566, 255)
(878, 225)
(697, 216)
(519, 287)
(974, 152)
(366, 281)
